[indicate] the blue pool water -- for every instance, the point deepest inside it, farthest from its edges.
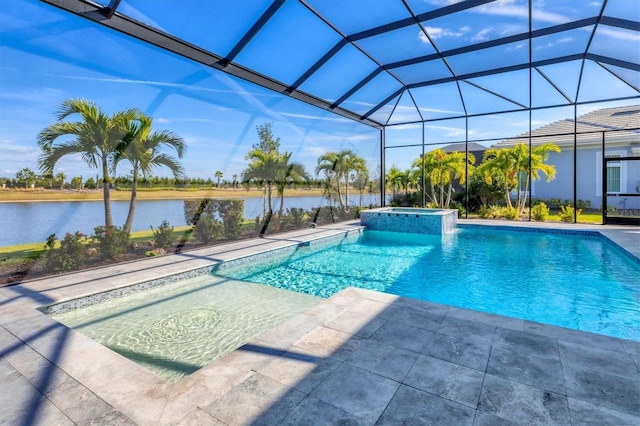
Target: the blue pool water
(582, 282)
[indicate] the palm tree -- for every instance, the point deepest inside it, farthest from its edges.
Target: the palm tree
(263, 167)
(141, 148)
(394, 179)
(329, 164)
(287, 173)
(351, 162)
(219, 177)
(530, 166)
(94, 137)
(234, 183)
(442, 169)
(510, 165)
(498, 166)
(60, 177)
(338, 166)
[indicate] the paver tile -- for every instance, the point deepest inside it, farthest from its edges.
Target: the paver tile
(459, 327)
(412, 406)
(300, 370)
(385, 360)
(515, 401)
(356, 324)
(529, 343)
(542, 372)
(417, 318)
(327, 342)
(312, 411)
(403, 336)
(447, 380)
(595, 359)
(585, 413)
(258, 399)
(459, 350)
(607, 390)
(357, 392)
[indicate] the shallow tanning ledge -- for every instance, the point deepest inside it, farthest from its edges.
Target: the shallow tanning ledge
(410, 220)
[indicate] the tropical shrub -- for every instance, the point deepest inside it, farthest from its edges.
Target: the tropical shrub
(112, 242)
(294, 218)
(510, 213)
(583, 204)
(540, 212)
(554, 203)
(163, 236)
(195, 208)
(484, 212)
(567, 213)
(231, 213)
(457, 205)
(69, 256)
(207, 229)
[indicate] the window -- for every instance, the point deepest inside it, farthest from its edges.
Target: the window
(616, 173)
(613, 175)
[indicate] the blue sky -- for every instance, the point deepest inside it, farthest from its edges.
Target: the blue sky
(49, 56)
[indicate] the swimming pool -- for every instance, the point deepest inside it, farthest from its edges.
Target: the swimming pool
(574, 280)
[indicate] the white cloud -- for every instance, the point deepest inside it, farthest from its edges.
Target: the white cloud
(482, 35)
(437, 32)
(516, 47)
(618, 34)
(441, 111)
(510, 9)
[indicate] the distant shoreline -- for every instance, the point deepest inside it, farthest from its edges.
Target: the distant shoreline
(29, 196)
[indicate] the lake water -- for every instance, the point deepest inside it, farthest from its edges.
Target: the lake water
(22, 223)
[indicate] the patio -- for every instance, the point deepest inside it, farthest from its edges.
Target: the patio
(360, 357)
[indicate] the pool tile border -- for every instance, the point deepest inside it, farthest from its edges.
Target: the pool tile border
(106, 296)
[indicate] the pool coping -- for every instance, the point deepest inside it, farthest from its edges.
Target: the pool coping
(122, 388)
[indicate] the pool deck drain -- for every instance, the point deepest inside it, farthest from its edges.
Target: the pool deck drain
(359, 357)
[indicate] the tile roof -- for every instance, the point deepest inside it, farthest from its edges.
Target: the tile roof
(619, 121)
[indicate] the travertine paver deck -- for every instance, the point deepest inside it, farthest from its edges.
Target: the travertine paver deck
(360, 357)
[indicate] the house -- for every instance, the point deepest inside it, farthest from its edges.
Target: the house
(619, 128)
(474, 148)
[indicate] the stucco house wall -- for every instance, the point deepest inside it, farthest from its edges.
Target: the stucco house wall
(621, 127)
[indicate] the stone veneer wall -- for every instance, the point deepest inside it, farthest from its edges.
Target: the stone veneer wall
(414, 221)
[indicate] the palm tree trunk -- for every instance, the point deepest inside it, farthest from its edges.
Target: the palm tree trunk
(269, 202)
(346, 191)
(507, 195)
(281, 209)
(339, 193)
(106, 194)
(524, 195)
(132, 202)
(264, 200)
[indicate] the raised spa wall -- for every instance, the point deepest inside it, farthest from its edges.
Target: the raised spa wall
(410, 220)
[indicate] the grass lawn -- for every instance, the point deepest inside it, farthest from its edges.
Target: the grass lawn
(14, 195)
(584, 217)
(15, 255)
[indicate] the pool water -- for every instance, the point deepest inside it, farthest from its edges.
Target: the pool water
(582, 282)
(178, 328)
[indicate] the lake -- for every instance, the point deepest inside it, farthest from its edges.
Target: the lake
(33, 222)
